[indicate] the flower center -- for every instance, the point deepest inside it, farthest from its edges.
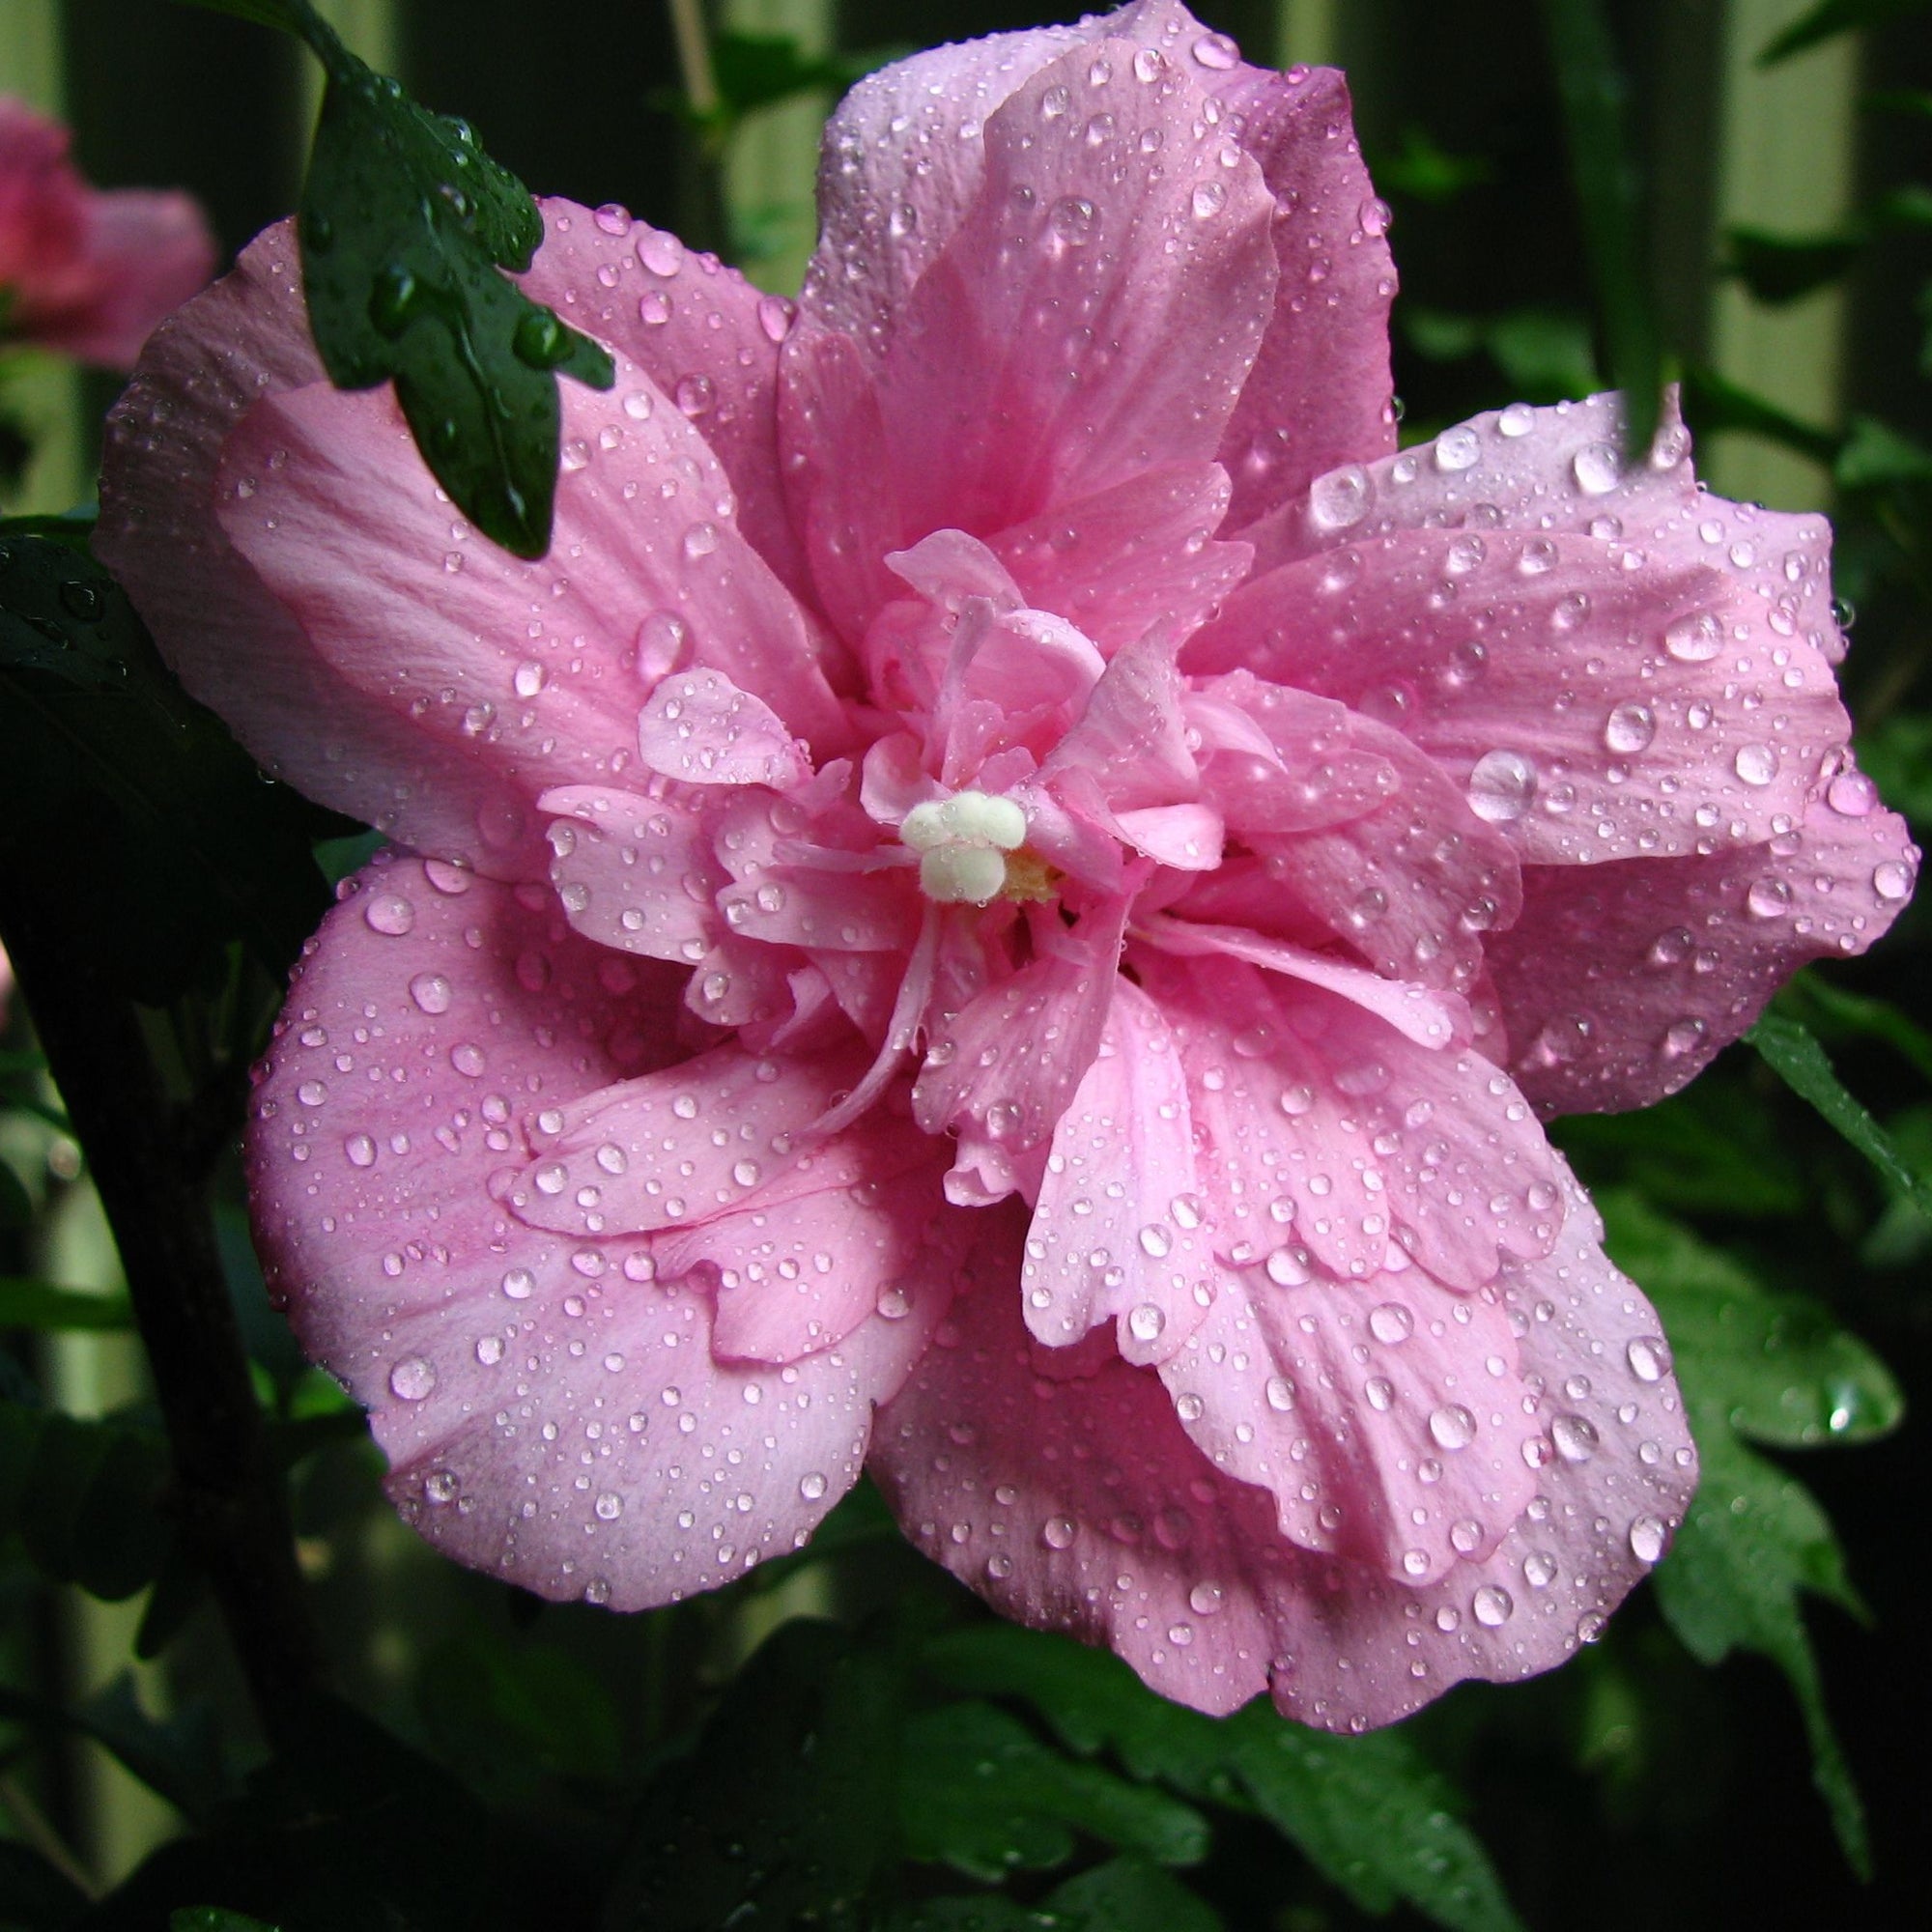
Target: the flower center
(963, 842)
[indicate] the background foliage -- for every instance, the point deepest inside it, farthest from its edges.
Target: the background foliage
(845, 1738)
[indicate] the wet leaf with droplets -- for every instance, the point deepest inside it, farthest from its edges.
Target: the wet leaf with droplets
(406, 223)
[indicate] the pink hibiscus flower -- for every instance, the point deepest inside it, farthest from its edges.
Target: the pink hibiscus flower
(1003, 905)
(85, 272)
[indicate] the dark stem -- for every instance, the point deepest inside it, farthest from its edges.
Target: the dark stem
(147, 1159)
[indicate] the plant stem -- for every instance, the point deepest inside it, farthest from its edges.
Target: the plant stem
(230, 1504)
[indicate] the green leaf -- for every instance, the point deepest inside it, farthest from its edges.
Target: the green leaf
(1779, 268)
(1713, 402)
(111, 775)
(1790, 1051)
(287, 15)
(1755, 1537)
(979, 1791)
(1372, 1817)
(787, 1813)
(1875, 456)
(40, 1304)
(405, 225)
(1819, 1003)
(1896, 755)
(84, 1496)
(504, 1715)
(215, 1918)
(985, 1912)
(1089, 1699)
(179, 1757)
(1773, 1367)
(1830, 17)
(1131, 1895)
(1424, 171)
(1591, 84)
(16, 1205)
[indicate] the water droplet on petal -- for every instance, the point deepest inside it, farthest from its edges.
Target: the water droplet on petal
(412, 1378)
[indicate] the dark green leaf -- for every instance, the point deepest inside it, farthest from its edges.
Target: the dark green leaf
(1425, 172)
(504, 1716)
(786, 1814)
(979, 1791)
(37, 1898)
(110, 774)
(40, 1304)
(986, 1912)
(1372, 1817)
(1752, 1541)
(1802, 1065)
(1829, 1009)
(1830, 17)
(215, 1918)
(1592, 90)
(1131, 1895)
(1713, 402)
(1091, 1700)
(1876, 456)
(177, 1757)
(16, 1205)
(1706, 1148)
(85, 1499)
(1773, 1367)
(1776, 1367)
(406, 223)
(1784, 268)
(1897, 754)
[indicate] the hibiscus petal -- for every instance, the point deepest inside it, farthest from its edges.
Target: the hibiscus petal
(1030, 349)
(1332, 1140)
(1577, 701)
(1000, 1072)
(550, 1414)
(1080, 1505)
(538, 669)
(704, 335)
(232, 643)
(1128, 559)
(679, 1147)
(698, 727)
(634, 872)
(1132, 738)
(796, 1280)
(1117, 1231)
(1386, 1417)
(1620, 982)
(1319, 393)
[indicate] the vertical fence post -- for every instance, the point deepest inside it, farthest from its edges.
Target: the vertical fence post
(1785, 162)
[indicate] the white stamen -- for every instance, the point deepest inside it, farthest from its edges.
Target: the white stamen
(964, 840)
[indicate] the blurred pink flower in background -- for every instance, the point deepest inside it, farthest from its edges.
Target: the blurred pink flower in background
(1004, 904)
(82, 271)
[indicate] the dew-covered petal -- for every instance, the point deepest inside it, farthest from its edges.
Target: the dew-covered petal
(1038, 346)
(680, 1145)
(1590, 711)
(1620, 982)
(803, 1275)
(1319, 393)
(903, 163)
(1116, 1233)
(1329, 1139)
(698, 727)
(1001, 1071)
(1386, 1417)
(1080, 1505)
(634, 872)
(1358, 827)
(536, 670)
(1130, 740)
(1137, 554)
(231, 641)
(705, 337)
